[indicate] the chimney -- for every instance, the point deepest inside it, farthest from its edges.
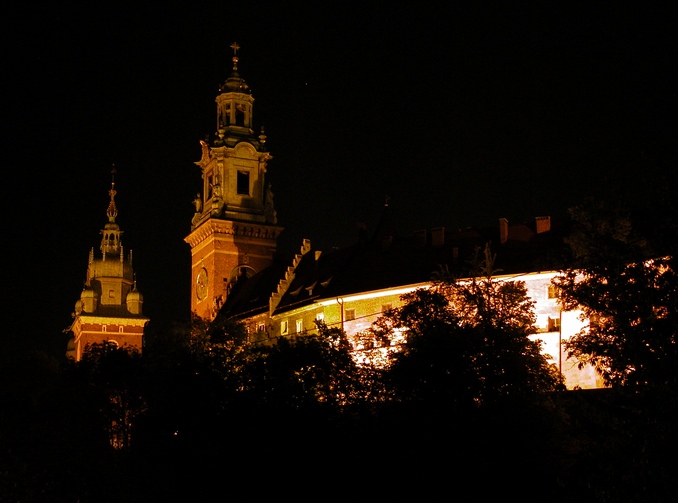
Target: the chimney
(503, 230)
(438, 237)
(420, 237)
(543, 224)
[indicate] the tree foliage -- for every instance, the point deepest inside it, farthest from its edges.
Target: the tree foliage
(626, 287)
(115, 377)
(313, 371)
(467, 342)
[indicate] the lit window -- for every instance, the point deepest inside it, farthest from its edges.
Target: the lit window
(243, 183)
(350, 314)
(554, 324)
(300, 326)
(320, 316)
(261, 327)
(283, 327)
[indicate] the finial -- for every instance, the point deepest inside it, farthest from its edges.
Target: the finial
(235, 48)
(112, 210)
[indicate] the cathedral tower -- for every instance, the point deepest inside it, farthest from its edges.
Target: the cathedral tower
(109, 307)
(233, 231)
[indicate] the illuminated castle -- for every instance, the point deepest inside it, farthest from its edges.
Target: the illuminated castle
(110, 306)
(235, 275)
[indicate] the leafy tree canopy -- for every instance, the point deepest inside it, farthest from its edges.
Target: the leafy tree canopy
(626, 287)
(467, 342)
(312, 371)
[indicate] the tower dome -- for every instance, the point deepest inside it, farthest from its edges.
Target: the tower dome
(235, 83)
(90, 299)
(134, 301)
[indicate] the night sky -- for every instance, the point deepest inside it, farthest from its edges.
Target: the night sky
(459, 115)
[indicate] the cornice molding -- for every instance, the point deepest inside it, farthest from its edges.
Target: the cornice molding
(215, 227)
(104, 320)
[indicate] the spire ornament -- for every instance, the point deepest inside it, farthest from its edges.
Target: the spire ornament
(235, 48)
(112, 210)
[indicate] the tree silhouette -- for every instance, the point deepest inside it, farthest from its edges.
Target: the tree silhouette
(627, 288)
(115, 374)
(310, 372)
(467, 342)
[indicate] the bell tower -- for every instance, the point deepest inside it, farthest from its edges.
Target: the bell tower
(109, 307)
(234, 228)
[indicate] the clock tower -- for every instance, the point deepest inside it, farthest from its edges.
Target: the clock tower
(234, 228)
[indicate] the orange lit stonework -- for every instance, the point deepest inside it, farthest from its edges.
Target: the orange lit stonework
(110, 306)
(233, 238)
(233, 230)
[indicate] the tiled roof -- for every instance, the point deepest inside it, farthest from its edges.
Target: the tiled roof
(388, 261)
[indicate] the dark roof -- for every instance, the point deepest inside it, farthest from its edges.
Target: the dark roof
(114, 311)
(250, 296)
(388, 261)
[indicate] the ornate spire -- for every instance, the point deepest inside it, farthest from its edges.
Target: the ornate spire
(112, 210)
(110, 242)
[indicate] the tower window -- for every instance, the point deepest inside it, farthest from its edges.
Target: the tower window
(243, 185)
(239, 114)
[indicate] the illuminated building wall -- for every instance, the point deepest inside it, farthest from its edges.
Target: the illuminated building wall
(304, 294)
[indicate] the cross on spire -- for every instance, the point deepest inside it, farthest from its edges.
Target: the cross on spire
(235, 48)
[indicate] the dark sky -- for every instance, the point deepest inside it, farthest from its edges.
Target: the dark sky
(459, 115)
